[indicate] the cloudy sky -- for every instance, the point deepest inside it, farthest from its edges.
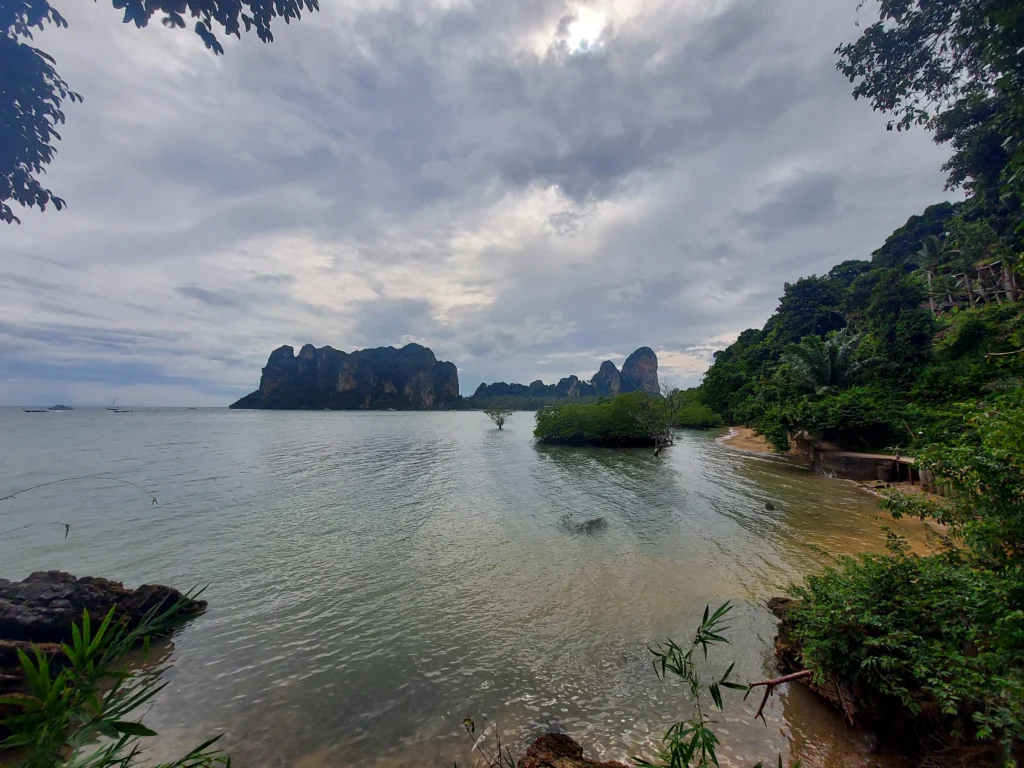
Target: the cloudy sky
(526, 187)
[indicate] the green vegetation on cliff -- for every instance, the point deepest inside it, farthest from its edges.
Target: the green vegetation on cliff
(935, 645)
(867, 356)
(935, 310)
(921, 348)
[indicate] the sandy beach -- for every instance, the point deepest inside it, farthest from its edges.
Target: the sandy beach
(745, 439)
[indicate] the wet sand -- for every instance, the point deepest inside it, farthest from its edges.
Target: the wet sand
(745, 439)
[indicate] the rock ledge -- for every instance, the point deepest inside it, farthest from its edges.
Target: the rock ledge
(40, 611)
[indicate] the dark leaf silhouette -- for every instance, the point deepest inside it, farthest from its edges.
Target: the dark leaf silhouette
(33, 93)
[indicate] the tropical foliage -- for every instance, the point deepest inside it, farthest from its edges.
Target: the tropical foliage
(825, 366)
(935, 311)
(938, 639)
(81, 706)
(618, 423)
(902, 356)
(498, 414)
(692, 743)
(691, 413)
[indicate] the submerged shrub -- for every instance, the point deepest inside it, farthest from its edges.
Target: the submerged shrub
(618, 423)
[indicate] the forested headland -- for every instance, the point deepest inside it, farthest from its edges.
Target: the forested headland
(876, 353)
(918, 347)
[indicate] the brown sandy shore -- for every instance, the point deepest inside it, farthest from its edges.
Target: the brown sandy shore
(744, 439)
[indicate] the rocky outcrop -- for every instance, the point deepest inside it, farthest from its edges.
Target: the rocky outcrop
(40, 611)
(557, 750)
(410, 378)
(639, 373)
(607, 381)
(571, 386)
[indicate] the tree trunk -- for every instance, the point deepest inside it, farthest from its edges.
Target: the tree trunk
(1008, 284)
(931, 299)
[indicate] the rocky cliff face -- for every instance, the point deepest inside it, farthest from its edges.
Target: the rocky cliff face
(571, 386)
(639, 374)
(385, 377)
(641, 371)
(607, 381)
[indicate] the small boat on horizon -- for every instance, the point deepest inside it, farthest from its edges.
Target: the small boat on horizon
(34, 410)
(60, 408)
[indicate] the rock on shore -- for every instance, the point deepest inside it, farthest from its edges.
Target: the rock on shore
(41, 610)
(557, 750)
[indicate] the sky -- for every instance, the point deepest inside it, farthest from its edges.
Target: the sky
(528, 188)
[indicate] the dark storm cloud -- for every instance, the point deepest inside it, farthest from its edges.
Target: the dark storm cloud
(469, 176)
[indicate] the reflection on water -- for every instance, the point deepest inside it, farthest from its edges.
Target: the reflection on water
(377, 577)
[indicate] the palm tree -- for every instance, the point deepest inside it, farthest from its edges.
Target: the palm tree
(824, 366)
(930, 259)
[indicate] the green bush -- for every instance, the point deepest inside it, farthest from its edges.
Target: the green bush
(774, 425)
(930, 635)
(943, 635)
(857, 418)
(609, 423)
(697, 416)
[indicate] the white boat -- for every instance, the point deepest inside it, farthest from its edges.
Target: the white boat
(60, 408)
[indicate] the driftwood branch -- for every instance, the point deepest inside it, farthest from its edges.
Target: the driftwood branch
(770, 686)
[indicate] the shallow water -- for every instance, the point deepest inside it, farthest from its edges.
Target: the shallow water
(374, 578)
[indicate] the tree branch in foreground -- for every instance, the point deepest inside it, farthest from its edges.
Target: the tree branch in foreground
(770, 686)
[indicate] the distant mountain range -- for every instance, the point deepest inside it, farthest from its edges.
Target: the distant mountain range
(639, 373)
(410, 378)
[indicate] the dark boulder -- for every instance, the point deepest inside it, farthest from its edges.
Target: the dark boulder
(40, 611)
(557, 750)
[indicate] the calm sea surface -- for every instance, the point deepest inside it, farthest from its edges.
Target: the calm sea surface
(374, 578)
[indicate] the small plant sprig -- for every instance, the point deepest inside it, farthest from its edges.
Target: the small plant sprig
(93, 699)
(500, 757)
(692, 743)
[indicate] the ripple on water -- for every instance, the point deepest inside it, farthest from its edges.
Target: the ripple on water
(375, 578)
